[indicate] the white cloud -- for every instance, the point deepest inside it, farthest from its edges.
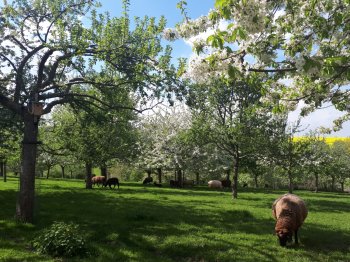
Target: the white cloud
(323, 117)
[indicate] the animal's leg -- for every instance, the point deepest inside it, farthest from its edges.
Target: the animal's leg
(296, 237)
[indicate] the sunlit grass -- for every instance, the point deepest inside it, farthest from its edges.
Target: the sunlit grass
(137, 223)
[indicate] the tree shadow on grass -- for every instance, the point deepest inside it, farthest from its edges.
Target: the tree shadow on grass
(133, 220)
(129, 225)
(328, 206)
(7, 204)
(317, 242)
(321, 238)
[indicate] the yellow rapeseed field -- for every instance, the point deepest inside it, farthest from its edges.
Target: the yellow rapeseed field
(329, 140)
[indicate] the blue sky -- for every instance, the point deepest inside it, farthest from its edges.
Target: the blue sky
(167, 8)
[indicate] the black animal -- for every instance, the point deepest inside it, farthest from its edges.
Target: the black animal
(111, 181)
(156, 184)
(245, 185)
(147, 180)
(226, 183)
(174, 183)
(266, 186)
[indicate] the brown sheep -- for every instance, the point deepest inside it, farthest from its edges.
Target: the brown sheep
(98, 180)
(189, 183)
(289, 212)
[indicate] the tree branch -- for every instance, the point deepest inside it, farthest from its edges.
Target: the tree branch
(9, 61)
(20, 73)
(14, 107)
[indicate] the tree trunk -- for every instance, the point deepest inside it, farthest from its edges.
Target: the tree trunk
(159, 171)
(48, 172)
(235, 178)
(180, 178)
(228, 174)
(88, 182)
(5, 172)
(256, 180)
(103, 170)
(316, 183)
(1, 168)
(62, 170)
(197, 178)
(290, 187)
(149, 172)
(341, 184)
(25, 202)
(333, 183)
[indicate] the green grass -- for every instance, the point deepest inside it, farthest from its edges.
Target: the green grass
(137, 223)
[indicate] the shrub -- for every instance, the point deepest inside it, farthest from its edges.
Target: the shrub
(61, 240)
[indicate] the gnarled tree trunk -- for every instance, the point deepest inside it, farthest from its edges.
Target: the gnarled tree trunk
(103, 170)
(159, 171)
(228, 171)
(235, 178)
(48, 171)
(316, 182)
(25, 202)
(256, 180)
(88, 182)
(1, 168)
(62, 171)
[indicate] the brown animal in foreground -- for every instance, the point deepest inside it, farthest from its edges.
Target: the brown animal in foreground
(289, 212)
(98, 180)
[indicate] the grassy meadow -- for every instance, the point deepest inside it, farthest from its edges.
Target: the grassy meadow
(146, 223)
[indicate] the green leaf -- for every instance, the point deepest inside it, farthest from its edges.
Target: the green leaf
(233, 36)
(242, 34)
(232, 72)
(220, 3)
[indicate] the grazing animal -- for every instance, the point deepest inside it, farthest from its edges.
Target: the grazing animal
(112, 181)
(98, 180)
(226, 183)
(156, 184)
(188, 183)
(174, 183)
(214, 184)
(289, 212)
(92, 175)
(147, 180)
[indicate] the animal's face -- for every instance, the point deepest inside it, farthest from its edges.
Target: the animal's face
(284, 236)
